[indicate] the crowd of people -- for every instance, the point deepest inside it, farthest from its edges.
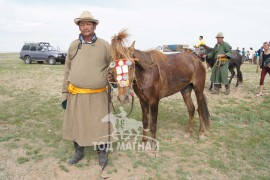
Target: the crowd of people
(251, 55)
(261, 57)
(222, 50)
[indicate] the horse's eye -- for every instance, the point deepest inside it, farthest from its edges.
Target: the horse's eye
(112, 65)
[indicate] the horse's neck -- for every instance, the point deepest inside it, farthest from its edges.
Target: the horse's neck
(208, 49)
(139, 81)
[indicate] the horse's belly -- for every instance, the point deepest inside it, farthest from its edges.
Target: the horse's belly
(173, 81)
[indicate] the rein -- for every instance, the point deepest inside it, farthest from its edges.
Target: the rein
(132, 104)
(110, 92)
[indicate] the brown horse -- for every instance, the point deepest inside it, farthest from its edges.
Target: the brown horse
(154, 76)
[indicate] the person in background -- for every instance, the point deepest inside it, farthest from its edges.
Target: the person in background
(243, 53)
(259, 51)
(201, 42)
(252, 54)
(264, 64)
(222, 52)
(84, 95)
(238, 50)
(255, 57)
(248, 55)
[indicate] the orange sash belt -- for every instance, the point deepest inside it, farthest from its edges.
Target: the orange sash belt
(75, 90)
(222, 59)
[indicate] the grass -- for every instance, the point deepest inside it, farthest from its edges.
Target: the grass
(237, 144)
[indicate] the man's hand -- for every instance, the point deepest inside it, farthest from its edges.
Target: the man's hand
(204, 56)
(110, 76)
(221, 55)
(64, 104)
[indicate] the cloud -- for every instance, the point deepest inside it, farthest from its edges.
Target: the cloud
(151, 23)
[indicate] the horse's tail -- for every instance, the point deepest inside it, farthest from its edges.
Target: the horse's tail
(205, 113)
(240, 76)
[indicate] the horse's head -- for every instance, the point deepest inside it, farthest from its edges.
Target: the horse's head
(203, 49)
(124, 74)
(123, 66)
(200, 51)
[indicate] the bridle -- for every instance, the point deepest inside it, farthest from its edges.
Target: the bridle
(122, 79)
(123, 64)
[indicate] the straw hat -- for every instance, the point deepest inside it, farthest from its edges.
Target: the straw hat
(220, 35)
(86, 16)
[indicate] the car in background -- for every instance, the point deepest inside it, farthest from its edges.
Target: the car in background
(41, 52)
(172, 48)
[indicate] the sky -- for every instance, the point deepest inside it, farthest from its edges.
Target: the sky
(151, 23)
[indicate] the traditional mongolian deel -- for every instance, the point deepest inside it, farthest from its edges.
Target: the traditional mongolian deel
(87, 73)
(220, 70)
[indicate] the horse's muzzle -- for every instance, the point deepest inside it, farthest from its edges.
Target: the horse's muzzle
(123, 99)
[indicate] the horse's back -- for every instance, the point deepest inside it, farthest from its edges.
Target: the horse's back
(179, 70)
(184, 62)
(236, 58)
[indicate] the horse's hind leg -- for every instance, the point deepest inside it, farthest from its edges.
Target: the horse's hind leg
(239, 75)
(186, 93)
(202, 110)
(232, 73)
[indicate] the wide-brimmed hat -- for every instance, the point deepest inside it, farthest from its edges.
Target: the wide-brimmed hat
(220, 35)
(86, 16)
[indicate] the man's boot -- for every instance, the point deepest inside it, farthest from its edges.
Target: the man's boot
(102, 154)
(216, 89)
(78, 155)
(227, 86)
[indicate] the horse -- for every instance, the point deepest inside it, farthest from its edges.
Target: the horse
(153, 76)
(235, 62)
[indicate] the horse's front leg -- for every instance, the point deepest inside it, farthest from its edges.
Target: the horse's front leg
(153, 124)
(211, 86)
(145, 113)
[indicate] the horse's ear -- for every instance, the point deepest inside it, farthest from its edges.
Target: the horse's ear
(139, 64)
(132, 46)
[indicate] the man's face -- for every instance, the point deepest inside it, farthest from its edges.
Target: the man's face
(87, 28)
(265, 47)
(219, 39)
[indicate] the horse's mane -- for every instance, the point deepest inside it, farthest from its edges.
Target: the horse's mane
(150, 56)
(120, 50)
(207, 47)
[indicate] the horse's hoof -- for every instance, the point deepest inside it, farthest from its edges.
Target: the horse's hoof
(152, 153)
(202, 137)
(144, 139)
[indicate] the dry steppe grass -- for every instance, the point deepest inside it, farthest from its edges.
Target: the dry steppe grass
(31, 147)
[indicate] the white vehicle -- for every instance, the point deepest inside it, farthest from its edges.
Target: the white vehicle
(172, 49)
